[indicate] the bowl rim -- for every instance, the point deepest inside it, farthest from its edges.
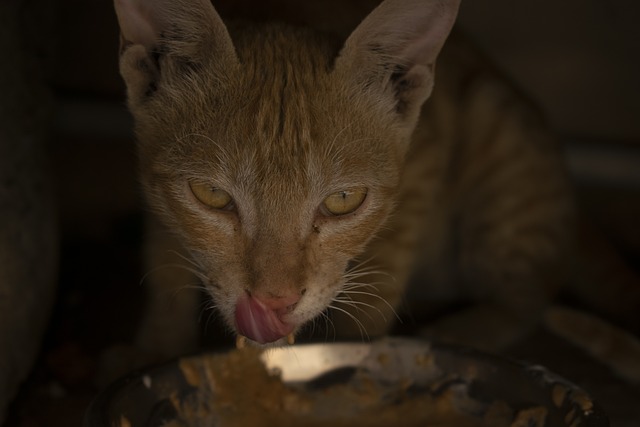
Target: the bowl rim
(96, 414)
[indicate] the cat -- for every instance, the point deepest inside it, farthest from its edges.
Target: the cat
(309, 176)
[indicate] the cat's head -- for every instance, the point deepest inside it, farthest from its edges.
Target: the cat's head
(273, 153)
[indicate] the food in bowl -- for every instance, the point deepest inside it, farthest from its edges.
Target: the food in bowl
(392, 382)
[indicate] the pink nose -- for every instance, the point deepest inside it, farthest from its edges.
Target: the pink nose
(261, 318)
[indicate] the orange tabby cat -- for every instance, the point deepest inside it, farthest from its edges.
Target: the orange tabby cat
(301, 173)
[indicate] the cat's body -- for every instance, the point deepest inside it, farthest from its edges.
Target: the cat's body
(279, 158)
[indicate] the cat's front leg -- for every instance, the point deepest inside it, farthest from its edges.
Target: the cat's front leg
(169, 325)
(512, 233)
(509, 283)
(512, 270)
(485, 326)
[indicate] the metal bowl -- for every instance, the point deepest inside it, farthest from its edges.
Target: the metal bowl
(144, 399)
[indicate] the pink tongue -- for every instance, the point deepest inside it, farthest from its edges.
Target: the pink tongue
(258, 322)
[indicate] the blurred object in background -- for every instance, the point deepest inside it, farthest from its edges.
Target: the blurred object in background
(28, 220)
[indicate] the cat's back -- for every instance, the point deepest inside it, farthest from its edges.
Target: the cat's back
(485, 179)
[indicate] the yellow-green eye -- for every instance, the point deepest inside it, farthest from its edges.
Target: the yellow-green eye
(210, 196)
(344, 202)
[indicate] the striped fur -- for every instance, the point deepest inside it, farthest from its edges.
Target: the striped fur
(485, 211)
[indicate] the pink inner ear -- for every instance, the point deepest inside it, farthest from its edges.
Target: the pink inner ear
(411, 30)
(136, 22)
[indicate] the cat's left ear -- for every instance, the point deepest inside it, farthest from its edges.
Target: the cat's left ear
(394, 50)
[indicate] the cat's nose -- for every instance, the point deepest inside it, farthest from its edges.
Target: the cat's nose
(281, 305)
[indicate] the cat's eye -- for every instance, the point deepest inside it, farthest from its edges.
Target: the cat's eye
(344, 202)
(211, 196)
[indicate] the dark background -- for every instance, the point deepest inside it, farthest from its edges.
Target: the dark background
(579, 59)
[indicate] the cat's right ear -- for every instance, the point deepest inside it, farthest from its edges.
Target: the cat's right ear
(163, 39)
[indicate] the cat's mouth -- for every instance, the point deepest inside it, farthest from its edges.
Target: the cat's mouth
(264, 321)
(241, 340)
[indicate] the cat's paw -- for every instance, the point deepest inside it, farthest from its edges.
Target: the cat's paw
(614, 347)
(484, 328)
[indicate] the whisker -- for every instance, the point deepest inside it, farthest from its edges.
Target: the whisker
(202, 308)
(361, 328)
(378, 297)
(149, 273)
(363, 268)
(186, 258)
(212, 309)
(356, 285)
(200, 275)
(361, 263)
(188, 286)
(355, 304)
(327, 322)
(370, 272)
